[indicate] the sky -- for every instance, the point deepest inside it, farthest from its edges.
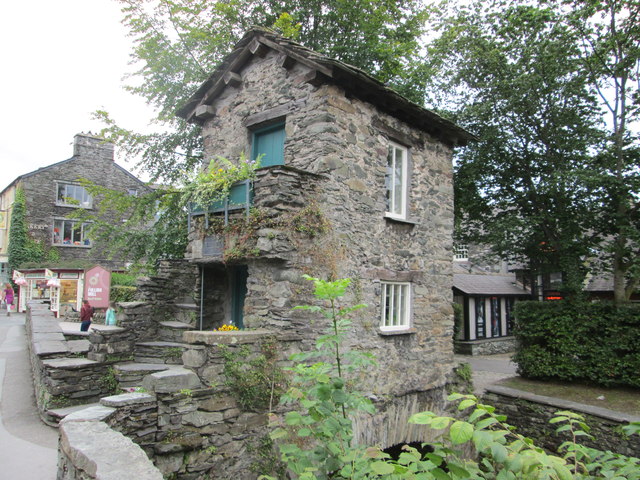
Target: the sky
(61, 60)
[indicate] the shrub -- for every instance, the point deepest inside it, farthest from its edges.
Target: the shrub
(125, 279)
(121, 293)
(570, 340)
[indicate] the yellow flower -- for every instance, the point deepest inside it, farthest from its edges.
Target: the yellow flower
(226, 328)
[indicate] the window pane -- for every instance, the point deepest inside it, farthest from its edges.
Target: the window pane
(396, 180)
(66, 236)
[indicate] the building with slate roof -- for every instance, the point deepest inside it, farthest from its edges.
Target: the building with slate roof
(355, 181)
(52, 192)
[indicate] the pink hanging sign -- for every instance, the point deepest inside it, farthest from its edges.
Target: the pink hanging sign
(97, 283)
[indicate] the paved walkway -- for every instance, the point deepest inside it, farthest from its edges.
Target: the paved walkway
(28, 447)
(488, 369)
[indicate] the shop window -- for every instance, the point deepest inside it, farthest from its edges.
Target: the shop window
(70, 233)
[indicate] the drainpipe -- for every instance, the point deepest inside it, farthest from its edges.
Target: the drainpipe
(201, 295)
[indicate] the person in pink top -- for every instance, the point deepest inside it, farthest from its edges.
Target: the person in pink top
(7, 294)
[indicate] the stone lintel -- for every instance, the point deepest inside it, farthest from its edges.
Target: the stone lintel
(226, 338)
(232, 79)
(392, 275)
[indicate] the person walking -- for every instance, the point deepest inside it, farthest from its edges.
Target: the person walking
(86, 315)
(8, 294)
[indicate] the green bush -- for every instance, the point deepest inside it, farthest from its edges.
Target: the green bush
(125, 279)
(122, 293)
(569, 340)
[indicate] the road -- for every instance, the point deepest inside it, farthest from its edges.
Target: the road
(28, 447)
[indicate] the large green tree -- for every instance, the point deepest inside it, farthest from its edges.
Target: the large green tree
(512, 74)
(610, 34)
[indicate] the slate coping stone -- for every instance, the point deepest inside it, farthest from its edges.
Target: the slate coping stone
(94, 413)
(69, 363)
(176, 325)
(141, 367)
(171, 380)
(225, 338)
(564, 404)
(78, 346)
(125, 399)
(50, 347)
(103, 453)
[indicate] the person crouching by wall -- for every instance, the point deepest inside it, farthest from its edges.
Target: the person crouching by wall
(86, 315)
(7, 295)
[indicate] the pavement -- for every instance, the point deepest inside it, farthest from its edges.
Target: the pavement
(28, 447)
(488, 369)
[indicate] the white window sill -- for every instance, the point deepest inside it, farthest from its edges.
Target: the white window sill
(393, 218)
(71, 245)
(404, 331)
(74, 205)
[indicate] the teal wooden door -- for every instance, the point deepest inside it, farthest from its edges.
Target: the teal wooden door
(239, 277)
(269, 142)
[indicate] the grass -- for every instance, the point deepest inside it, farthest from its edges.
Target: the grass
(624, 400)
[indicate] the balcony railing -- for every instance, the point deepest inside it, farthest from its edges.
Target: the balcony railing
(240, 197)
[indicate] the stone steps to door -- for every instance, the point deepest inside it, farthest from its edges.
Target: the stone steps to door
(171, 331)
(161, 352)
(130, 375)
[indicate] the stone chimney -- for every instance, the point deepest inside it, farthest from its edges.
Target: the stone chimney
(90, 146)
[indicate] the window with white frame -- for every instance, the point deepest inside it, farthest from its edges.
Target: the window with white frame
(397, 180)
(73, 196)
(460, 253)
(396, 306)
(71, 233)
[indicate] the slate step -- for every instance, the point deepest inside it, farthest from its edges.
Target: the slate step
(160, 352)
(130, 375)
(54, 415)
(187, 312)
(172, 331)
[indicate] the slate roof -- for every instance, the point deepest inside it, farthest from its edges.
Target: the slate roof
(356, 82)
(487, 284)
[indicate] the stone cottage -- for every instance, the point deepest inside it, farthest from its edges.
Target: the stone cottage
(52, 192)
(355, 181)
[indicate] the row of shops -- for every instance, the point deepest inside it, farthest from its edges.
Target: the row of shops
(63, 288)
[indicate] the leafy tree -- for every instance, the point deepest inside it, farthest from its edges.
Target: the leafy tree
(511, 74)
(610, 35)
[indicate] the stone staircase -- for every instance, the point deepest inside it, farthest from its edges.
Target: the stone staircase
(152, 357)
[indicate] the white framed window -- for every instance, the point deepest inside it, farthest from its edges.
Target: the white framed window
(397, 181)
(461, 253)
(71, 195)
(396, 306)
(69, 233)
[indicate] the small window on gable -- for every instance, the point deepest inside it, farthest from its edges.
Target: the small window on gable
(397, 180)
(269, 142)
(460, 253)
(396, 306)
(72, 195)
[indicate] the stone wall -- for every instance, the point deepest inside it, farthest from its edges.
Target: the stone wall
(489, 346)
(93, 160)
(531, 413)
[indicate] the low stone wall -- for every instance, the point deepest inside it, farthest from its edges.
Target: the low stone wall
(531, 413)
(62, 376)
(486, 346)
(89, 449)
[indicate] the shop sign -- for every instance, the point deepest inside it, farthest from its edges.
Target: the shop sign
(68, 276)
(97, 283)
